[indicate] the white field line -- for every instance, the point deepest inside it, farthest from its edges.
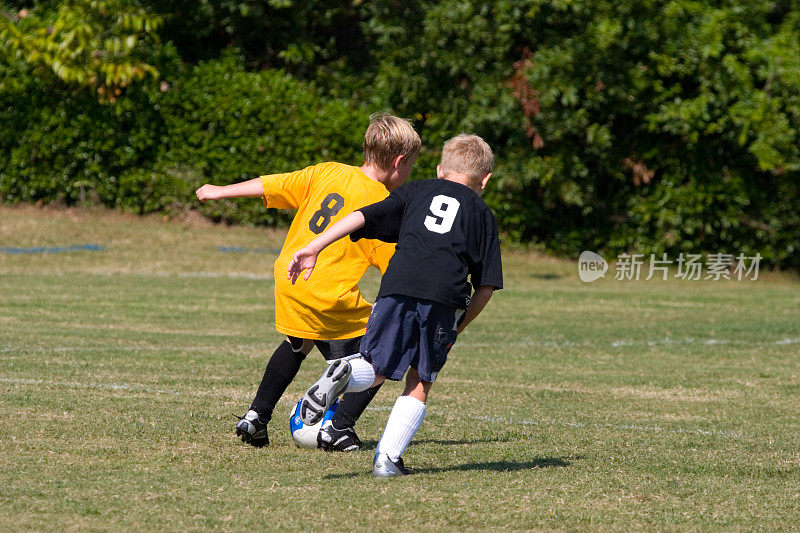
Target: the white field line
(619, 427)
(519, 343)
(490, 419)
(231, 275)
(666, 341)
(80, 385)
(67, 349)
(525, 342)
(218, 275)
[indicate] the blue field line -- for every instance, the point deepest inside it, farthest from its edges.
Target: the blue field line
(240, 250)
(54, 250)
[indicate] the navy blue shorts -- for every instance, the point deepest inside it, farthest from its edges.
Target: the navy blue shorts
(405, 332)
(331, 350)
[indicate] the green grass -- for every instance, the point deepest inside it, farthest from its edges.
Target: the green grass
(614, 405)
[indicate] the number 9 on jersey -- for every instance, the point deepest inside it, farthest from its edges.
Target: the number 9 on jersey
(444, 209)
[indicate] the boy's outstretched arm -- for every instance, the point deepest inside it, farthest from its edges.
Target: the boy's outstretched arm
(306, 258)
(478, 301)
(236, 190)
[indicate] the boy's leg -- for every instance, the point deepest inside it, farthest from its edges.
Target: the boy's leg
(341, 376)
(437, 334)
(405, 418)
(352, 406)
(279, 373)
(338, 434)
(390, 344)
(404, 421)
(415, 387)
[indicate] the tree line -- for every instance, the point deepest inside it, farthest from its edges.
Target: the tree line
(628, 125)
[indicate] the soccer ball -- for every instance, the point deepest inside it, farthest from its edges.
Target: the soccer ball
(306, 436)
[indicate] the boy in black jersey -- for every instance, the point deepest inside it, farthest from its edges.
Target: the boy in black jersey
(447, 243)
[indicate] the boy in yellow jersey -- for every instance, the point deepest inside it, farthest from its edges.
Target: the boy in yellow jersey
(330, 313)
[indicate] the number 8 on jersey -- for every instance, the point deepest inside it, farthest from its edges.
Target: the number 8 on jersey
(331, 205)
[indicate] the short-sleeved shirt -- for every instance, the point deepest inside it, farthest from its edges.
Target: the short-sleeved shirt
(330, 305)
(445, 234)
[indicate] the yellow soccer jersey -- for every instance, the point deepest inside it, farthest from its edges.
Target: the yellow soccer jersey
(328, 306)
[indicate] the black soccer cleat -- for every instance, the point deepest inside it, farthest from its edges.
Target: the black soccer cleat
(383, 466)
(331, 439)
(321, 395)
(252, 429)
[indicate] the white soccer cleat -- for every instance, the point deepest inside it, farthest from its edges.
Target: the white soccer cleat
(383, 466)
(252, 429)
(322, 394)
(332, 439)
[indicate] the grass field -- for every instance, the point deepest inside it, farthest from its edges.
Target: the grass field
(613, 405)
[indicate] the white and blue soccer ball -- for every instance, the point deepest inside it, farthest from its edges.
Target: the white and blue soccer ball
(306, 436)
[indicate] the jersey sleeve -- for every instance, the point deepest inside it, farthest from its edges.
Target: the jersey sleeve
(382, 219)
(380, 256)
(489, 271)
(286, 191)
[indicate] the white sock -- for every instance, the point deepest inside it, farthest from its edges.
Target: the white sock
(404, 421)
(361, 377)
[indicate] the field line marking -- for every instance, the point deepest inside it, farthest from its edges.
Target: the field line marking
(478, 418)
(620, 427)
(53, 249)
(80, 385)
(787, 341)
(108, 273)
(241, 250)
(647, 342)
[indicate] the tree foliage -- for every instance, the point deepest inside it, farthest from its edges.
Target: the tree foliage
(670, 126)
(636, 125)
(93, 43)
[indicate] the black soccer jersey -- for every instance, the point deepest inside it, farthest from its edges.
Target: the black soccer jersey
(444, 232)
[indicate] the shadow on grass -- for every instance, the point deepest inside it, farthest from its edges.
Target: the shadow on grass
(371, 444)
(496, 466)
(546, 277)
(503, 466)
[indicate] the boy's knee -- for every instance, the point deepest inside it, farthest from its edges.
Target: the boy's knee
(299, 345)
(418, 393)
(415, 387)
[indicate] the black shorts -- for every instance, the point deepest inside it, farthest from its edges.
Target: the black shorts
(407, 332)
(330, 350)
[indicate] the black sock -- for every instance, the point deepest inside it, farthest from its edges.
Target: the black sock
(351, 406)
(281, 370)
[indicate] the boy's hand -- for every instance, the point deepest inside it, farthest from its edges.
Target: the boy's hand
(208, 192)
(477, 302)
(302, 259)
(306, 258)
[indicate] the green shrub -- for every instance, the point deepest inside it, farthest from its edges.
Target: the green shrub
(148, 151)
(60, 144)
(228, 125)
(648, 127)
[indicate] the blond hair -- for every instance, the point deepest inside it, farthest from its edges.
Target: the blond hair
(387, 137)
(469, 155)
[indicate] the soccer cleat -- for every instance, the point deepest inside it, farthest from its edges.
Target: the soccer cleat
(331, 439)
(252, 429)
(382, 466)
(321, 395)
